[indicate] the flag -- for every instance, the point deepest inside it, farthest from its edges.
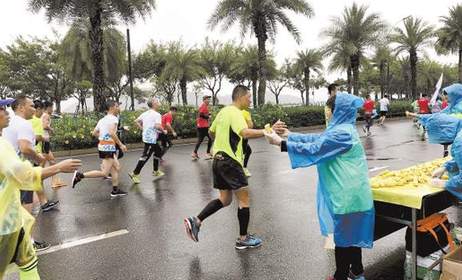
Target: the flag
(437, 90)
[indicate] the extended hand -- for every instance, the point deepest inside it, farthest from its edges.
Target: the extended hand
(273, 138)
(69, 165)
(280, 128)
(123, 148)
(437, 173)
(438, 183)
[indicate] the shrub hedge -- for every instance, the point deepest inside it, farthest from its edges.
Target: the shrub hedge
(74, 131)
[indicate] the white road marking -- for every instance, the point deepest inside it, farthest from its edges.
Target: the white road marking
(378, 168)
(74, 243)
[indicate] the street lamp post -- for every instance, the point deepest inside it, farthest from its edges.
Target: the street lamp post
(130, 77)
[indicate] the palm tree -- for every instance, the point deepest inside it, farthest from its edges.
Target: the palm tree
(261, 17)
(183, 65)
(245, 68)
(381, 59)
(415, 36)
(450, 35)
(307, 61)
(353, 32)
(340, 61)
(76, 53)
(96, 11)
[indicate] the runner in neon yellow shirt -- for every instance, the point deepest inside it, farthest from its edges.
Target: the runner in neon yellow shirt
(228, 129)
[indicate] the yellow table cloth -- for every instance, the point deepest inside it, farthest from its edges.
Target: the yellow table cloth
(406, 196)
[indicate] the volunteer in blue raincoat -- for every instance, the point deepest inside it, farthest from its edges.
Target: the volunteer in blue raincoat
(344, 197)
(454, 93)
(444, 128)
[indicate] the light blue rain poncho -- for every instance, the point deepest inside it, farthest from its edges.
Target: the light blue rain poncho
(454, 92)
(344, 197)
(444, 128)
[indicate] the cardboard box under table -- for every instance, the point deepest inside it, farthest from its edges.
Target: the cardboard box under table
(396, 208)
(452, 265)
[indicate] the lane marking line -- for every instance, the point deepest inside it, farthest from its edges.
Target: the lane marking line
(378, 168)
(74, 243)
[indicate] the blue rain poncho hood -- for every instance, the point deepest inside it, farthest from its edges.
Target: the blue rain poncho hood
(441, 128)
(344, 198)
(454, 93)
(346, 109)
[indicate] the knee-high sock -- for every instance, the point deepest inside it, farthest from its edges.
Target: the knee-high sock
(210, 209)
(243, 215)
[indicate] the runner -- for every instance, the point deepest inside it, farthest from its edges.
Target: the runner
(106, 131)
(203, 128)
(56, 182)
(150, 122)
(444, 102)
(37, 127)
(15, 222)
(368, 107)
(384, 104)
(345, 204)
(228, 129)
(245, 142)
(331, 91)
(424, 104)
(167, 130)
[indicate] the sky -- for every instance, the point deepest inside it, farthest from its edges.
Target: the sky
(186, 20)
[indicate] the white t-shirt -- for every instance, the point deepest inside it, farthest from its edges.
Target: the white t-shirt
(149, 119)
(384, 103)
(19, 129)
(104, 126)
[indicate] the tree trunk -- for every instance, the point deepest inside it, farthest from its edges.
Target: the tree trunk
(382, 80)
(96, 45)
(388, 78)
(413, 62)
(302, 95)
(261, 36)
(460, 64)
(355, 69)
(254, 93)
(306, 81)
(58, 104)
(277, 99)
(183, 88)
(349, 79)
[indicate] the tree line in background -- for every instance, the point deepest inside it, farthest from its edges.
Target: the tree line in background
(91, 59)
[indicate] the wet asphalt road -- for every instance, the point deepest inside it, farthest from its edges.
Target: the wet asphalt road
(283, 213)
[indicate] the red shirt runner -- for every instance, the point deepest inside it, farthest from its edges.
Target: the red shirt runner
(444, 104)
(369, 106)
(423, 106)
(167, 119)
(204, 110)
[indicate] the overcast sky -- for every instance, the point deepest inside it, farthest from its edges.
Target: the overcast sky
(186, 20)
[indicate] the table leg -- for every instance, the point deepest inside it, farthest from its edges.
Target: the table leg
(414, 245)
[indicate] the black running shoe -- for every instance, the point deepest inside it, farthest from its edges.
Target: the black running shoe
(41, 245)
(192, 228)
(78, 176)
(50, 205)
(118, 193)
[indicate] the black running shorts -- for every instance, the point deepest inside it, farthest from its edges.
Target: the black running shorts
(104, 155)
(228, 174)
(46, 147)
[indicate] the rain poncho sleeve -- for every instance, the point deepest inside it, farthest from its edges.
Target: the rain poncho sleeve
(309, 149)
(454, 184)
(15, 175)
(451, 167)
